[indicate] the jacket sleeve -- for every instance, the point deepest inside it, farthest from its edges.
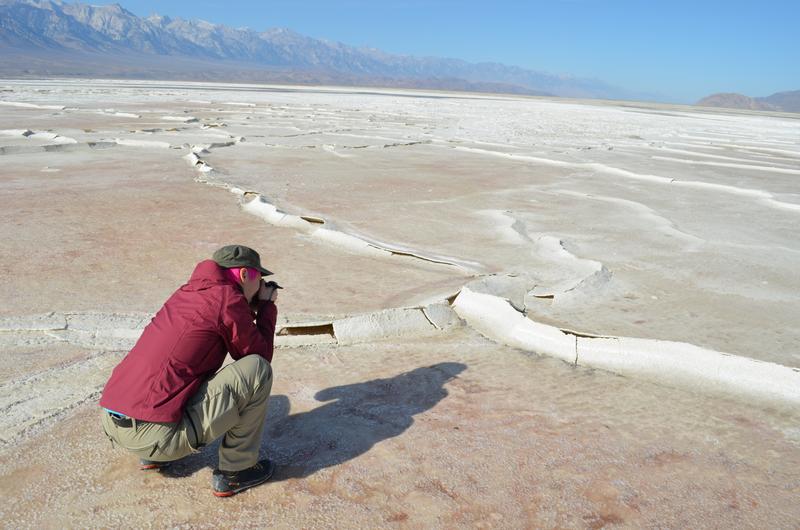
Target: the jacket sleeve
(242, 335)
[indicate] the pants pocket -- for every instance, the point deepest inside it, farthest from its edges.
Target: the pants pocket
(144, 451)
(105, 430)
(193, 438)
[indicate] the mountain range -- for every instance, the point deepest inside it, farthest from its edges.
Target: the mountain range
(54, 38)
(780, 101)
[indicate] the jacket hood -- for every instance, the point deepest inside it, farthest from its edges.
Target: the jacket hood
(207, 274)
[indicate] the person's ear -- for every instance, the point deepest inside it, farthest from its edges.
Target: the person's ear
(243, 274)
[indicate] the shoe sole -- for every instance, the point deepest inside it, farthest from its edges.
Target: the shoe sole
(231, 493)
(225, 493)
(150, 467)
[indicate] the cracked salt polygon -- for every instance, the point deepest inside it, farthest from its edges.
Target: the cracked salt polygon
(42, 322)
(441, 315)
(495, 318)
(512, 288)
(386, 323)
(184, 119)
(27, 403)
(689, 365)
(142, 143)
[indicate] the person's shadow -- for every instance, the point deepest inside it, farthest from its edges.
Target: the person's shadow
(356, 417)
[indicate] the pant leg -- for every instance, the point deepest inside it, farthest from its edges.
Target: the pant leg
(160, 442)
(233, 404)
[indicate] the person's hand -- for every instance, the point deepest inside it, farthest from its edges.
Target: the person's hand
(267, 292)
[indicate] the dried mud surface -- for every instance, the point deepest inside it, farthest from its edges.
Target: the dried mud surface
(446, 431)
(690, 214)
(99, 235)
(112, 191)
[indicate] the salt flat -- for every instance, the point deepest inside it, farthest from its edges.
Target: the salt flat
(440, 431)
(662, 223)
(608, 219)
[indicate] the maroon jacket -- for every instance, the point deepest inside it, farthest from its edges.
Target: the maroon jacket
(185, 344)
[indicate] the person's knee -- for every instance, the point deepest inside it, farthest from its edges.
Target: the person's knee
(257, 366)
(264, 370)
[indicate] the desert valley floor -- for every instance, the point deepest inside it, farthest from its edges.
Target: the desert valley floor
(378, 210)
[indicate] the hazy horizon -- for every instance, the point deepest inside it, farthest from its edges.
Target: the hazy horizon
(680, 55)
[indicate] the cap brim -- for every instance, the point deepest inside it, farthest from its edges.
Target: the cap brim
(264, 272)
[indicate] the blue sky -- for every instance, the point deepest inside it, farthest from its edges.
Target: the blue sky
(678, 49)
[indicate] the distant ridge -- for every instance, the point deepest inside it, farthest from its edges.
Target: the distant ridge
(50, 37)
(786, 101)
(780, 101)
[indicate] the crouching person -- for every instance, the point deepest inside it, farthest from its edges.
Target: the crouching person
(166, 399)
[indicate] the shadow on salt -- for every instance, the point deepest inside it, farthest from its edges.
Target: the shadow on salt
(352, 420)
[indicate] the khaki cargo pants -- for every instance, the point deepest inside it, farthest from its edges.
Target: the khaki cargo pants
(233, 404)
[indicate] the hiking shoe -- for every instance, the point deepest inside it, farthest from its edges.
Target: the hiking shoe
(227, 483)
(147, 465)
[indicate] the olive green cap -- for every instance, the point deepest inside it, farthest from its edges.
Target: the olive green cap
(231, 256)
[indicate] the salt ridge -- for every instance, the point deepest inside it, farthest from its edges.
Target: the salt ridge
(765, 197)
